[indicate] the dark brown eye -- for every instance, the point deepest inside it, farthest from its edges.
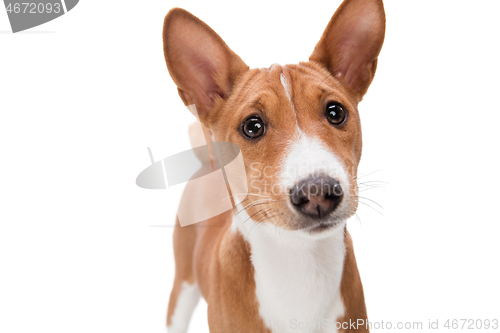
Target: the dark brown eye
(335, 113)
(253, 127)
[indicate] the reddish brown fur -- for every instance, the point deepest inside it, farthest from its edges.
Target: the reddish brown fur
(225, 94)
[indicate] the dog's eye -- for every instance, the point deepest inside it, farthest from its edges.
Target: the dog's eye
(253, 127)
(335, 113)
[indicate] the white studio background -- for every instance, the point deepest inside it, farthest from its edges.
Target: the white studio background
(84, 95)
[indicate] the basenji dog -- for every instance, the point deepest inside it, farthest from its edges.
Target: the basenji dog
(282, 259)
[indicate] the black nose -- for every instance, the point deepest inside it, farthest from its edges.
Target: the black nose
(316, 196)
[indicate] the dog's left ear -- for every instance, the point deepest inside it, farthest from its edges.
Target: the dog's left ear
(352, 42)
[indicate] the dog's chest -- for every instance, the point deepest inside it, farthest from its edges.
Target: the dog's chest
(297, 279)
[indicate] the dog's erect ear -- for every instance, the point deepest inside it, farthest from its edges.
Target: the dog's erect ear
(351, 43)
(202, 66)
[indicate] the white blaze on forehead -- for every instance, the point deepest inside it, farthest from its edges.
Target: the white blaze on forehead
(308, 157)
(286, 85)
(288, 92)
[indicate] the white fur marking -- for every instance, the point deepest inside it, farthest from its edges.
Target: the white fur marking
(297, 278)
(306, 157)
(186, 302)
(284, 83)
(288, 92)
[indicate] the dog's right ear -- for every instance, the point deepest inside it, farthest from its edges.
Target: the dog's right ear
(202, 66)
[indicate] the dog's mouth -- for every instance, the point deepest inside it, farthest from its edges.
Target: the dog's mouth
(320, 227)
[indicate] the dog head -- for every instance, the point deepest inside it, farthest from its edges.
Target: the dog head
(298, 125)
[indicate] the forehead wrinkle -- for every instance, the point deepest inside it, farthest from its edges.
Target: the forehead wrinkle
(272, 84)
(326, 83)
(312, 73)
(256, 103)
(246, 89)
(317, 75)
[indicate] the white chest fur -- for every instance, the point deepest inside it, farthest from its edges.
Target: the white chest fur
(297, 277)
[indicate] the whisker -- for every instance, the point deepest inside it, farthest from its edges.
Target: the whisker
(253, 215)
(364, 203)
(358, 219)
(232, 196)
(255, 203)
(376, 203)
(255, 226)
(373, 182)
(269, 218)
(367, 174)
(257, 223)
(367, 189)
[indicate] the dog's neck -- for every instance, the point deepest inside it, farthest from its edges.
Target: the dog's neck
(297, 276)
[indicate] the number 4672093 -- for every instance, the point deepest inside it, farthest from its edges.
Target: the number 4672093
(33, 8)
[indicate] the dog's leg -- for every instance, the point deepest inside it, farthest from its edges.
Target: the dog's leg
(185, 293)
(183, 300)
